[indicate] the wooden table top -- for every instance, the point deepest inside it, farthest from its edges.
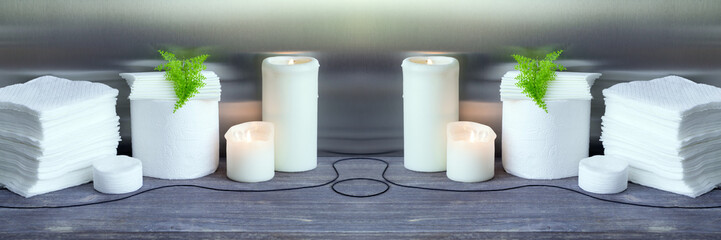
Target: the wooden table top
(320, 212)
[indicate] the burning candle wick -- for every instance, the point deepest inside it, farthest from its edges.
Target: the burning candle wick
(429, 61)
(291, 61)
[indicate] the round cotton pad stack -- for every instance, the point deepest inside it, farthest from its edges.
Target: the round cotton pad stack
(603, 175)
(118, 175)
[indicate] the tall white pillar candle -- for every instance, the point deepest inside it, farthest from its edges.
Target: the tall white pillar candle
(250, 153)
(430, 102)
(471, 154)
(290, 102)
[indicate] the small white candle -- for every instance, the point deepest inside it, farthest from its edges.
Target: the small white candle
(250, 153)
(471, 152)
(290, 102)
(430, 101)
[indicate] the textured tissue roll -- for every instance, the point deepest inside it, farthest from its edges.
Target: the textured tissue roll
(117, 175)
(180, 145)
(603, 175)
(540, 145)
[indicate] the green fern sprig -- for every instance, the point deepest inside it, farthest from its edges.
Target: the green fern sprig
(536, 74)
(185, 75)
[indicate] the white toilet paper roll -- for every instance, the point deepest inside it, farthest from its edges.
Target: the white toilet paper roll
(540, 145)
(603, 175)
(118, 175)
(180, 145)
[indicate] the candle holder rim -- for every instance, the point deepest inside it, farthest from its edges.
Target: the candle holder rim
(241, 126)
(438, 61)
(282, 61)
(453, 125)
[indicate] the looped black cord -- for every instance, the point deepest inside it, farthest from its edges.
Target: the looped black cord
(385, 181)
(358, 195)
(361, 154)
(527, 186)
(180, 185)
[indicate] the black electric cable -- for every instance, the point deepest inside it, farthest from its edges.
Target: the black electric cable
(527, 186)
(358, 195)
(385, 181)
(178, 185)
(360, 154)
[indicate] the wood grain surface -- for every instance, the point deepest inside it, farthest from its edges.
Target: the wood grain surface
(318, 213)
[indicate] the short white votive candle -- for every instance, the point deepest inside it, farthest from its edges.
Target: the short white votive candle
(471, 152)
(250, 152)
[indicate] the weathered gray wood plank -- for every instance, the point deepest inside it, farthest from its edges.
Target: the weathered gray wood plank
(400, 212)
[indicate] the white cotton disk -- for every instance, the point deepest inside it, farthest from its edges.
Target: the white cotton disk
(603, 175)
(118, 175)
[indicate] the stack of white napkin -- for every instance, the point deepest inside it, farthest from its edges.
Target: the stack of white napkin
(51, 131)
(668, 130)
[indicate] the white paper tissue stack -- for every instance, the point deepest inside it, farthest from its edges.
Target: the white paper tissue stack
(180, 145)
(540, 145)
(51, 131)
(669, 131)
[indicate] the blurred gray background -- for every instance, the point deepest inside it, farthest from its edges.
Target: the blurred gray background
(360, 45)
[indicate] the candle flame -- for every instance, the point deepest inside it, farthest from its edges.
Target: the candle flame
(429, 61)
(291, 61)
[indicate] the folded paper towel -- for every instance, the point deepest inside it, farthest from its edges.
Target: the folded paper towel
(154, 86)
(117, 175)
(603, 175)
(540, 145)
(668, 130)
(180, 145)
(566, 86)
(51, 130)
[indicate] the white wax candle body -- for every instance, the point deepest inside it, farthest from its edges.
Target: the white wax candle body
(471, 152)
(250, 153)
(430, 102)
(290, 102)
